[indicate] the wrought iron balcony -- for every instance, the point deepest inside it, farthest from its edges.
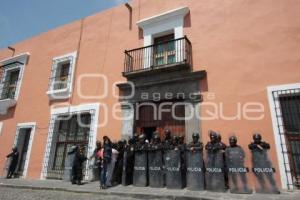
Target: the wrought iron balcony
(7, 96)
(8, 90)
(169, 54)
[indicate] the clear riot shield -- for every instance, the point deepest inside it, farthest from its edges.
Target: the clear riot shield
(140, 169)
(237, 172)
(215, 177)
(195, 173)
(156, 175)
(172, 161)
(263, 171)
(68, 167)
(128, 165)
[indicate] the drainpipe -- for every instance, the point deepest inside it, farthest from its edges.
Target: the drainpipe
(130, 15)
(12, 49)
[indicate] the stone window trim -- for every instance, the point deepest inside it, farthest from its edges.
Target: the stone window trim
(1, 127)
(168, 22)
(32, 126)
(16, 62)
(280, 140)
(8, 65)
(93, 109)
(63, 93)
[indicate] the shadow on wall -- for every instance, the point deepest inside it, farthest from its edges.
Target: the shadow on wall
(204, 85)
(55, 101)
(10, 114)
(187, 20)
(141, 34)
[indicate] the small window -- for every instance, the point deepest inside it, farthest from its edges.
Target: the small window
(164, 50)
(62, 76)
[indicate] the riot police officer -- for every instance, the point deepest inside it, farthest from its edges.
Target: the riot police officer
(195, 145)
(235, 157)
(155, 161)
(168, 137)
(14, 156)
(140, 177)
(262, 166)
(128, 162)
(215, 175)
(195, 164)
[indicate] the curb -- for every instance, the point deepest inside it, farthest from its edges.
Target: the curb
(132, 195)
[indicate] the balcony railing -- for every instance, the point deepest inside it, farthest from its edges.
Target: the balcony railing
(59, 87)
(59, 82)
(8, 90)
(160, 55)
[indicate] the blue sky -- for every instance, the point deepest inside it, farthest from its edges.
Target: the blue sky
(21, 19)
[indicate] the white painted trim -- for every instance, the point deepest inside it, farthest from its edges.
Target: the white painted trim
(20, 78)
(65, 92)
(22, 56)
(5, 104)
(61, 57)
(172, 20)
(81, 107)
(59, 94)
(181, 12)
(286, 177)
(1, 126)
(93, 131)
(169, 25)
(31, 125)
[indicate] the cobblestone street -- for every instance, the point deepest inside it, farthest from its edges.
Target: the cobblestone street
(28, 194)
(52, 189)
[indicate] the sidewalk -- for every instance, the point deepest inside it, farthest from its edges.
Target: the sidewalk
(140, 192)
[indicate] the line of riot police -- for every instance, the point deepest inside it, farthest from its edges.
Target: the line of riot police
(173, 164)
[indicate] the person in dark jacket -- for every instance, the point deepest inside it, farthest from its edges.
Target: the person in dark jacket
(117, 174)
(215, 162)
(14, 155)
(127, 175)
(168, 138)
(77, 168)
(107, 154)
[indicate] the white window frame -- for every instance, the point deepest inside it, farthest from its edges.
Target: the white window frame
(31, 125)
(22, 58)
(63, 93)
(1, 127)
(5, 104)
(280, 142)
(94, 107)
(171, 21)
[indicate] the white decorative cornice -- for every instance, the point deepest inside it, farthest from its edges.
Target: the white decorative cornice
(178, 12)
(20, 57)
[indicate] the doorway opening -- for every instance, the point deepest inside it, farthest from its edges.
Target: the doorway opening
(23, 142)
(148, 131)
(153, 117)
(22, 145)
